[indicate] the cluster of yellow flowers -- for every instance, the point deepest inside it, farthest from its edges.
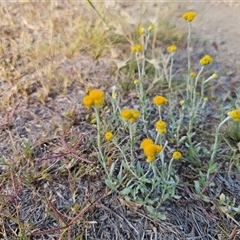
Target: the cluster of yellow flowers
(150, 149)
(161, 127)
(206, 60)
(235, 115)
(160, 100)
(130, 114)
(94, 98)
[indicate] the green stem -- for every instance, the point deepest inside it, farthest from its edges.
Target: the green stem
(169, 169)
(215, 146)
(170, 73)
(189, 58)
(100, 153)
(193, 109)
(125, 160)
(131, 141)
(159, 112)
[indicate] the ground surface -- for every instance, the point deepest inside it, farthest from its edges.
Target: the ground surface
(45, 136)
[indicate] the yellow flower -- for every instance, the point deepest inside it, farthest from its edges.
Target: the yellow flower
(215, 76)
(192, 74)
(146, 142)
(172, 48)
(181, 102)
(126, 114)
(130, 115)
(151, 27)
(205, 99)
(206, 60)
(87, 101)
(176, 155)
(135, 115)
(161, 127)
(114, 95)
(235, 115)
(189, 16)
(141, 31)
(137, 48)
(109, 136)
(136, 81)
(160, 100)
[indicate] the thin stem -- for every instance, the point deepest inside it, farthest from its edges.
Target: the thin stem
(125, 160)
(141, 89)
(215, 146)
(189, 58)
(170, 73)
(100, 156)
(131, 140)
(193, 106)
(159, 112)
(153, 165)
(169, 169)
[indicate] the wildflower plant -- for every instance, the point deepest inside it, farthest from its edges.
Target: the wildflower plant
(143, 171)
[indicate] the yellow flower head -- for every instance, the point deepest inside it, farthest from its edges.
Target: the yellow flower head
(137, 48)
(136, 81)
(87, 101)
(109, 136)
(114, 92)
(206, 60)
(161, 127)
(114, 95)
(235, 115)
(146, 142)
(192, 74)
(141, 31)
(151, 27)
(172, 48)
(215, 76)
(181, 102)
(135, 114)
(130, 115)
(126, 114)
(160, 100)
(205, 99)
(176, 155)
(189, 16)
